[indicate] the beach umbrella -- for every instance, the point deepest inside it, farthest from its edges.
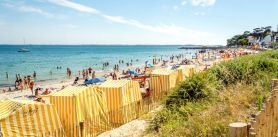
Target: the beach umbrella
(150, 65)
(174, 67)
(131, 72)
(95, 80)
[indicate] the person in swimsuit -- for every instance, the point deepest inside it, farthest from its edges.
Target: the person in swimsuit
(21, 86)
(31, 86)
(25, 84)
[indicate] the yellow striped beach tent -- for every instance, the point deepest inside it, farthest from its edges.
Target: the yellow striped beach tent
(29, 118)
(161, 81)
(123, 100)
(83, 111)
(180, 76)
(187, 70)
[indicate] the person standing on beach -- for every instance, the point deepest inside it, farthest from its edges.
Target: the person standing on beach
(7, 75)
(32, 83)
(28, 80)
(69, 73)
(25, 82)
(90, 71)
(34, 74)
(21, 86)
(83, 73)
(86, 73)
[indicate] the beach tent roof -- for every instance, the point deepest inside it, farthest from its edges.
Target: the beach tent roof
(41, 119)
(9, 106)
(186, 66)
(69, 91)
(162, 72)
(114, 83)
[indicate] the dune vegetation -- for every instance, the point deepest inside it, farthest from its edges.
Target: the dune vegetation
(228, 92)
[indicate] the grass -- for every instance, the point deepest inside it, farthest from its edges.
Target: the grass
(207, 103)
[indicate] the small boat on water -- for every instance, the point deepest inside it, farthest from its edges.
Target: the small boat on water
(23, 50)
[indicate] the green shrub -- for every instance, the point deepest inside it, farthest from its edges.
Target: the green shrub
(184, 106)
(199, 86)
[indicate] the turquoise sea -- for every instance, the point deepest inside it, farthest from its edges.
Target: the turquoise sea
(46, 58)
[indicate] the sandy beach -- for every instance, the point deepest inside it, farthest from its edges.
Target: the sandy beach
(203, 61)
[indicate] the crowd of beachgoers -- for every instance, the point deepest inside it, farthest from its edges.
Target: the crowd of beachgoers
(202, 59)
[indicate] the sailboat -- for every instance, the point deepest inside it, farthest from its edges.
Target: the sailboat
(23, 49)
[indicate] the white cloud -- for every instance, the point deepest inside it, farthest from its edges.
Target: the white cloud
(75, 6)
(27, 8)
(184, 3)
(203, 3)
(166, 29)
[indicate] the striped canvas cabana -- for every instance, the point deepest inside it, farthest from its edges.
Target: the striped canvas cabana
(123, 99)
(29, 118)
(161, 81)
(180, 76)
(83, 111)
(187, 70)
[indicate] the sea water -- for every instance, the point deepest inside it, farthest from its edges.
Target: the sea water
(44, 59)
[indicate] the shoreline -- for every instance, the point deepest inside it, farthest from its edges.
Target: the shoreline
(57, 84)
(203, 61)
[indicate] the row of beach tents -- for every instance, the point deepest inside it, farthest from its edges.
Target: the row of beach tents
(85, 111)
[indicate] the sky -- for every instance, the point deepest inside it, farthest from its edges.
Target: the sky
(207, 22)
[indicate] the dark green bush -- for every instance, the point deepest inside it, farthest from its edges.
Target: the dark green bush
(199, 86)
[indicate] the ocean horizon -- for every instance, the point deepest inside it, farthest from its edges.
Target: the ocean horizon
(44, 59)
